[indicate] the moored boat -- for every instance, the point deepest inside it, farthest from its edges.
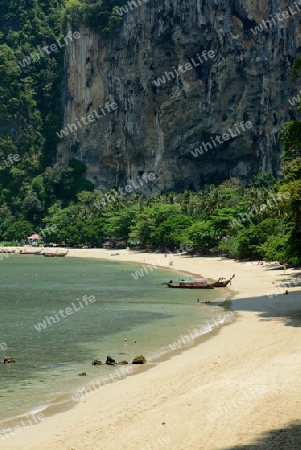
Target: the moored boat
(221, 283)
(55, 254)
(30, 252)
(62, 254)
(7, 250)
(190, 284)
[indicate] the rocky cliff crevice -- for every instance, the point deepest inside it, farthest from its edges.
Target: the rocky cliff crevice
(155, 128)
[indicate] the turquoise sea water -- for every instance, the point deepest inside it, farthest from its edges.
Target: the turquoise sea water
(34, 288)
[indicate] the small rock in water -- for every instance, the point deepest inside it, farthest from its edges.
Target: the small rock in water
(96, 362)
(8, 360)
(83, 374)
(110, 361)
(140, 359)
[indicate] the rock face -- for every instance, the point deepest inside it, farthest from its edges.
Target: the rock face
(155, 128)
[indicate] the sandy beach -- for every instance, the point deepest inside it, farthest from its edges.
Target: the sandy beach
(238, 390)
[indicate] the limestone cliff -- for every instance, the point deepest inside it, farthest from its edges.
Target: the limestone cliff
(154, 129)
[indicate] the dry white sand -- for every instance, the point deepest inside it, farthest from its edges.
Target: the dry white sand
(238, 390)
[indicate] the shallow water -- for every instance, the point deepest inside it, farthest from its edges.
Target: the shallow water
(116, 307)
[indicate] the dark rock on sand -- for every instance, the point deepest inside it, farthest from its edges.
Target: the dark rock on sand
(123, 362)
(110, 361)
(139, 360)
(96, 362)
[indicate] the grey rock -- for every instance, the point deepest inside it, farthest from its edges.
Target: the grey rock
(155, 129)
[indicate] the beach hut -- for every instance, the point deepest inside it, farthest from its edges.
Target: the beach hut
(33, 239)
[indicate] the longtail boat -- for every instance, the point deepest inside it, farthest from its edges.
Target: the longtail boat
(190, 284)
(224, 283)
(55, 254)
(61, 254)
(30, 252)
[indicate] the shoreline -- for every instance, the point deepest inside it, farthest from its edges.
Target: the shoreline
(65, 401)
(235, 360)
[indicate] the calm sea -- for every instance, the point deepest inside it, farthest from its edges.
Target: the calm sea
(34, 289)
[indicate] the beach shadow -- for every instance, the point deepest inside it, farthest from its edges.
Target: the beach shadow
(280, 439)
(275, 304)
(290, 319)
(286, 311)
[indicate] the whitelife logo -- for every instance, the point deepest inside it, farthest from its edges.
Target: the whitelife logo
(184, 68)
(188, 338)
(68, 311)
(132, 5)
(228, 408)
(110, 107)
(268, 24)
(34, 419)
(120, 373)
(225, 137)
(10, 161)
(38, 54)
(129, 188)
(295, 100)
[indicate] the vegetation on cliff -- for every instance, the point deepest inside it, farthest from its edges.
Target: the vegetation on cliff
(30, 114)
(99, 15)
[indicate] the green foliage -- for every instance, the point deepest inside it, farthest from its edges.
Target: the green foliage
(153, 224)
(291, 180)
(263, 180)
(75, 11)
(228, 246)
(27, 95)
(291, 170)
(251, 239)
(100, 15)
(291, 139)
(275, 248)
(19, 230)
(38, 187)
(202, 235)
(175, 219)
(296, 69)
